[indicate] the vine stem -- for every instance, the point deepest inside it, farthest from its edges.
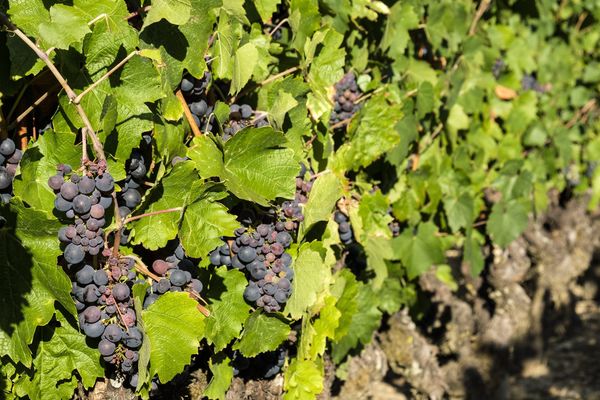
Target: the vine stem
(280, 75)
(84, 154)
(283, 21)
(77, 99)
(188, 114)
(483, 6)
(136, 217)
(70, 93)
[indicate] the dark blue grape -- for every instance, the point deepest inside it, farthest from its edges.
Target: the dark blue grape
(94, 330)
(106, 347)
(7, 147)
(74, 254)
(113, 333)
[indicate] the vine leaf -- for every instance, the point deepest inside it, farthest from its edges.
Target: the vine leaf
(228, 308)
(315, 335)
(204, 223)
(176, 12)
(419, 251)
(173, 191)
(30, 281)
(360, 316)
(60, 352)
(174, 327)
(246, 58)
(303, 380)
(262, 333)
(254, 166)
(377, 131)
(325, 192)
(222, 372)
(312, 276)
(506, 221)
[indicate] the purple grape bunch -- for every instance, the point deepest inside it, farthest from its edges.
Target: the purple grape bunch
(345, 99)
(240, 117)
(177, 275)
(291, 210)
(261, 254)
(263, 366)
(10, 156)
(103, 298)
(83, 199)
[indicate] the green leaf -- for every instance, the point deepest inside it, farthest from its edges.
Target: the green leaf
(176, 12)
(206, 155)
(28, 15)
(355, 327)
(174, 327)
(228, 308)
(262, 333)
(31, 281)
(324, 328)
(377, 132)
(303, 380)
(425, 99)
(246, 58)
(266, 8)
(325, 192)
(222, 374)
(419, 251)
(326, 68)
(506, 222)
(60, 353)
(258, 167)
(204, 223)
(175, 190)
(312, 276)
(460, 211)
(69, 25)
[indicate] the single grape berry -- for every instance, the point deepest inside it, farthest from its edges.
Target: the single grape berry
(82, 204)
(106, 347)
(178, 277)
(121, 291)
(69, 190)
(113, 333)
(7, 147)
(55, 182)
(74, 254)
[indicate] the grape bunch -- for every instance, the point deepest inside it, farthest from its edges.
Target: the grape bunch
(176, 272)
(263, 366)
(10, 157)
(194, 91)
(346, 94)
(85, 199)
(261, 254)
(529, 82)
(136, 166)
(105, 305)
(344, 227)
(291, 210)
(498, 67)
(240, 116)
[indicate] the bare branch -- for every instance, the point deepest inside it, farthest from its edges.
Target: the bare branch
(188, 114)
(483, 6)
